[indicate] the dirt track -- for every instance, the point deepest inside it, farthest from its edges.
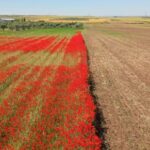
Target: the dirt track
(121, 70)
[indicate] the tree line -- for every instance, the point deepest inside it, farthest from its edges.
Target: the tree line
(26, 25)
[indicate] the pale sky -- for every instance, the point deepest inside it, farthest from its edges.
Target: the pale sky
(76, 7)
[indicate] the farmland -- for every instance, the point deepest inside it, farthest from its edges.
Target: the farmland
(68, 88)
(44, 98)
(119, 55)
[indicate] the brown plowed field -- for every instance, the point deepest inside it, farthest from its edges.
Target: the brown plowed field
(120, 62)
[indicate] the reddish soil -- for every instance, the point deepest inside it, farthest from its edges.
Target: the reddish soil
(121, 70)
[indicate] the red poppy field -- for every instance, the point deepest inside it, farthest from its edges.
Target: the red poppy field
(45, 102)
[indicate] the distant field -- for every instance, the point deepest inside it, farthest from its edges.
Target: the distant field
(63, 19)
(132, 20)
(85, 19)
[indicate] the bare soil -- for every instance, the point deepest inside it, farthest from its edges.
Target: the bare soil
(120, 64)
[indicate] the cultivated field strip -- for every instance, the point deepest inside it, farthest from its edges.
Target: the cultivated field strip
(122, 80)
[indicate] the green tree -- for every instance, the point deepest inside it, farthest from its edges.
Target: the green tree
(3, 26)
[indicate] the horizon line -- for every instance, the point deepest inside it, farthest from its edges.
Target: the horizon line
(75, 15)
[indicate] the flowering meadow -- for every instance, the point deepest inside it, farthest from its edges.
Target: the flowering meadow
(45, 102)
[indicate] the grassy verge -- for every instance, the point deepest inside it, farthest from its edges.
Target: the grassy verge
(40, 32)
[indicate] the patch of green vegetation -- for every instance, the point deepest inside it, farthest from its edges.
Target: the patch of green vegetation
(40, 32)
(112, 33)
(6, 84)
